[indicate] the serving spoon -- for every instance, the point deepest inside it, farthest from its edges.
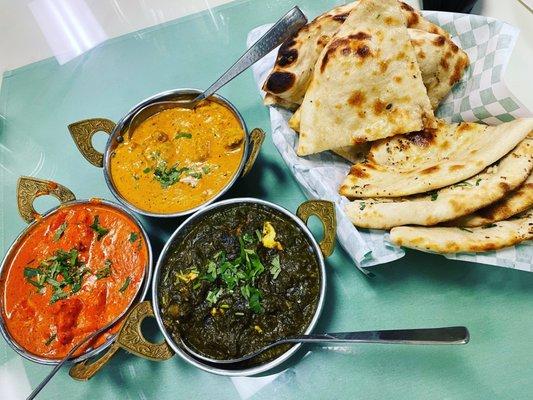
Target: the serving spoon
(288, 25)
(86, 339)
(446, 335)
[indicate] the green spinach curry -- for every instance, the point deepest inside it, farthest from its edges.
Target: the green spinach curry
(240, 278)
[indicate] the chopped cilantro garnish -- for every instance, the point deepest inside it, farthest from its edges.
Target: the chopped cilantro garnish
(434, 196)
(62, 263)
(477, 181)
(50, 339)
(185, 135)
(464, 229)
(59, 231)
(213, 295)
(146, 170)
(105, 271)
(133, 237)
(275, 268)
(168, 176)
(125, 285)
(100, 230)
(362, 205)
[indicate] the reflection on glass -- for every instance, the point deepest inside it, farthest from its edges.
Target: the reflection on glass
(69, 26)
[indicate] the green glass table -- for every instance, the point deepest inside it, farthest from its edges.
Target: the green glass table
(38, 101)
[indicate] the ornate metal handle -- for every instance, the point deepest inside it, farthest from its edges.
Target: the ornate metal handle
(325, 211)
(131, 338)
(28, 189)
(287, 26)
(83, 131)
(257, 137)
(85, 370)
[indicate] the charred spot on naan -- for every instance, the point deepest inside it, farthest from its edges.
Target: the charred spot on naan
(279, 82)
(423, 138)
(430, 170)
(357, 99)
(359, 171)
(354, 43)
(341, 17)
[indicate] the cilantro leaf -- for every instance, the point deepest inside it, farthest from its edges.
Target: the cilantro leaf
(59, 231)
(100, 230)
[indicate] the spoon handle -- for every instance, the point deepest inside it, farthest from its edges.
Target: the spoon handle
(43, 383)
(281, 31)
(447, 335)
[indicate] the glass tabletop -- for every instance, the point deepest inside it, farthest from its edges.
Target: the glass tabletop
(39, 100)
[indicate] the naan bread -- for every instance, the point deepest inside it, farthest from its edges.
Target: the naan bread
(456, 240)
(441, 63)
(366, 84)
(290, 77)
(516, 202)
(451, 202)
(423, 161)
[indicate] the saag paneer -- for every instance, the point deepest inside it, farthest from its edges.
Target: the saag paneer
(237, 280)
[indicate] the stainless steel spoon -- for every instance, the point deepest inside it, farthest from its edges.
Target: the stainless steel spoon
(281, 31)
(446, 335)
(86, 339)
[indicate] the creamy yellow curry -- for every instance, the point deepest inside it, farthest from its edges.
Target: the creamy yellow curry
(178, 159)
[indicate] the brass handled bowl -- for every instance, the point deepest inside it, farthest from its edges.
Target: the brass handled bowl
(83, 131)
(132, 340)
(29, 189)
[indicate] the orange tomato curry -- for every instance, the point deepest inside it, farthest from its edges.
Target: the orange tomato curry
(178, 158)
(75, 271)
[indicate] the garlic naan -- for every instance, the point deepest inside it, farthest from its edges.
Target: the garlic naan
(516, 202)
(366, 84)
(456, 240)
(292, 72)
(451, 202)
(423, 161)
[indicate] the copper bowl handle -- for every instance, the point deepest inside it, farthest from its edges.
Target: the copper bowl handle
(131, 339)
(28, 189)
(325, 211)
(257, 137)
(82, 133)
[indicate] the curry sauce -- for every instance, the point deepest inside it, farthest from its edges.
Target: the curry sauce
(179, 158)
(75, 271)
(241, 278)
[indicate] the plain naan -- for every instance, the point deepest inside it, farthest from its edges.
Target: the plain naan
(441, 63)
(516, 202)
(366, 84)
(461, 240)
(292, 72)
(423, 161)
(451, 202)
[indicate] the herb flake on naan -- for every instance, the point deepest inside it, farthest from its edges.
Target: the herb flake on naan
(516, 202)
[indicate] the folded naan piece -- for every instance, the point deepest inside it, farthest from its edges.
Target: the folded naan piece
(462, 240)
(441, 63)
(292, 72)
(422, 161)
(517, 201)
(366, 84)
(451, 202)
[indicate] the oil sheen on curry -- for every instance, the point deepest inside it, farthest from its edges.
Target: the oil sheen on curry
(179, 158)
(75, 271)
(240, 278)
